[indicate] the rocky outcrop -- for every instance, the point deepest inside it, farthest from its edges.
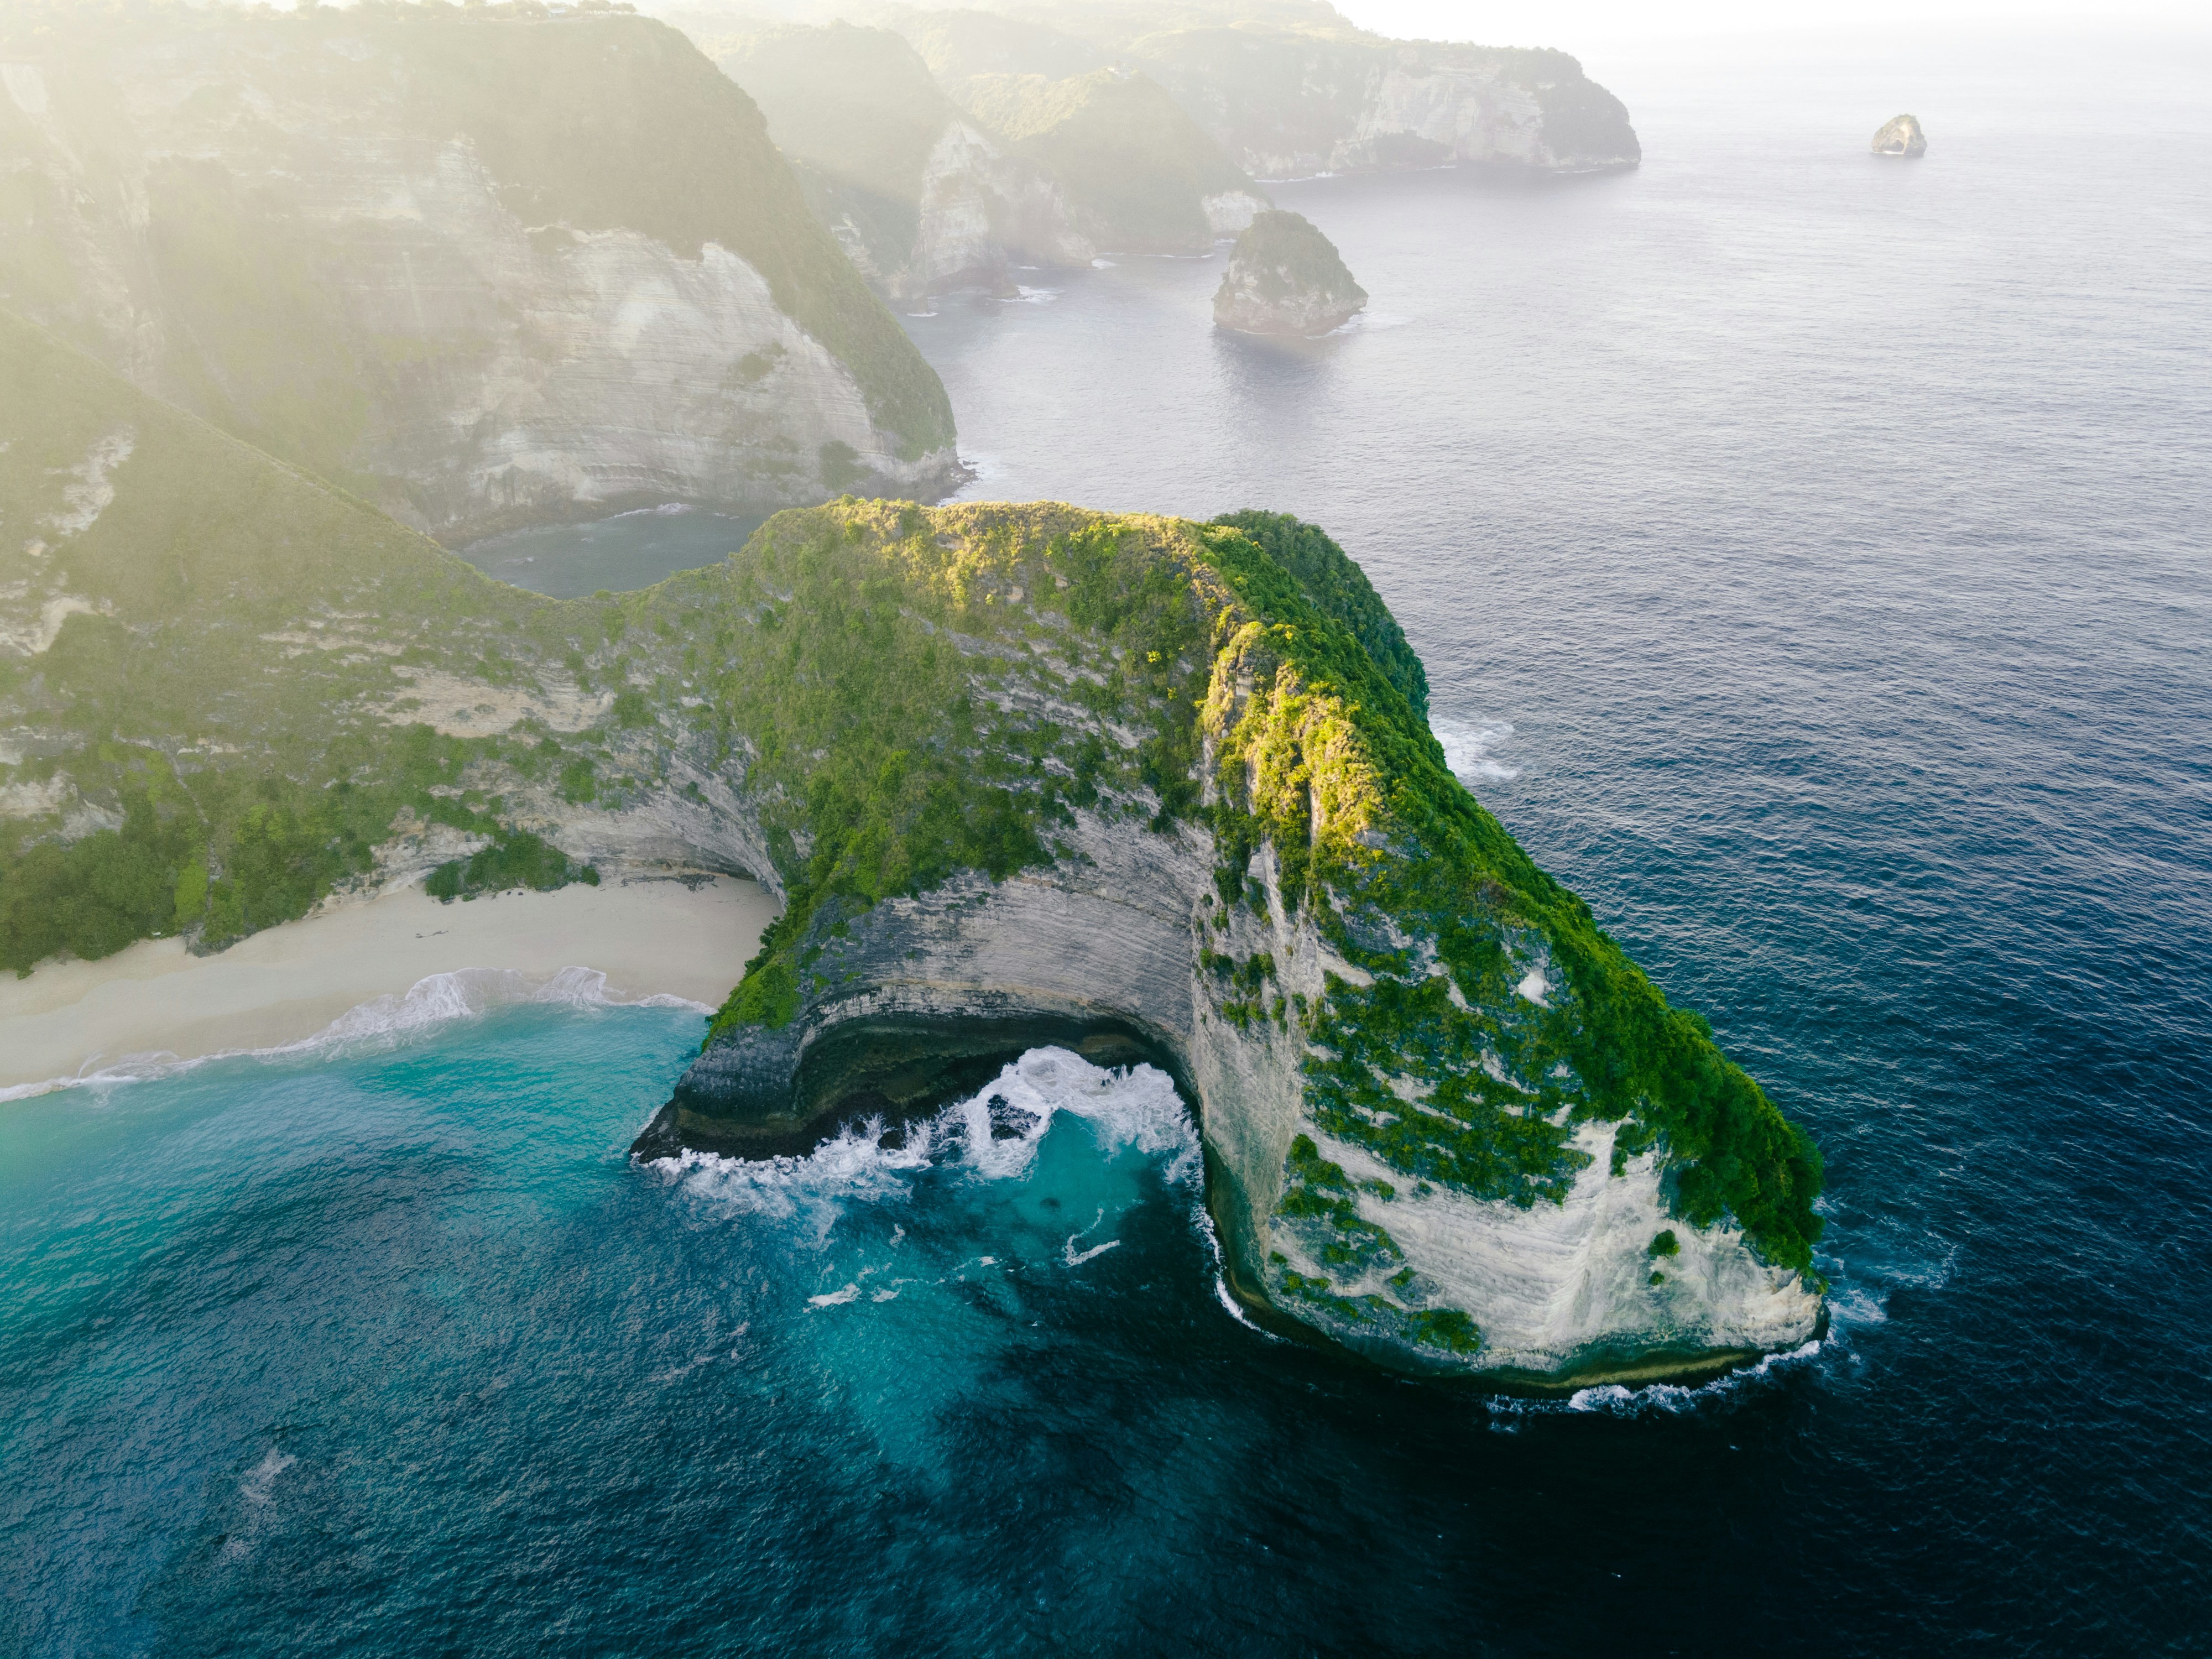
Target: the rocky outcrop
(485, 269)
(1447, 1126)
(1901, 135)
(1314, 94)
(1285, 278)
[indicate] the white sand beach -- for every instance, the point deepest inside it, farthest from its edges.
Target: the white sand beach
(649, 937)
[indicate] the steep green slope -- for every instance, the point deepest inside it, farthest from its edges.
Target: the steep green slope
(1137, 167)
(858, 104)
(858, 115)
(906, 759)
(217, 667)
(222, 686)
(1340, 587)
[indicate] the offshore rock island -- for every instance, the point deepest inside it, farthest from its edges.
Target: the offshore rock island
(1152, 788)
(1901, 135)
(1285, 278)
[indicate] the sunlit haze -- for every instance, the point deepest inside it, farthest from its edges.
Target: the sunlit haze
(1105, 828)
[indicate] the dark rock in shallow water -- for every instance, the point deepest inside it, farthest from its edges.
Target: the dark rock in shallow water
(1285, 278)
(780, 1093)
(1901, 136)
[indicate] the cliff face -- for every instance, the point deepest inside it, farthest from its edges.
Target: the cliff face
(1291, 92)
(916, 193)
(1285, 277)
(949, 146)
(926, 194)
(484, 269)
(1140, 176)
(1021, 774)
(1448, 1121)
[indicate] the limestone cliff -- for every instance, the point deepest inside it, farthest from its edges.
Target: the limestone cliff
(1155, 789)
(920, 198)
(1285, 278)
(1139, 175)
(1289, 91)
(483, 265)
(1901, 135)
(1144, 786)
(929, 194)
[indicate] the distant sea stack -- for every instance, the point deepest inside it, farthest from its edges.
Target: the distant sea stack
(1285, 278)
(1901, 136)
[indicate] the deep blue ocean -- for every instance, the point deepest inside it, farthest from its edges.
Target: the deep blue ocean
(1810, 557)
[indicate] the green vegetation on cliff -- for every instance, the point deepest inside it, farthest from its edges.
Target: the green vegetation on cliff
(1404, 852)
(857, 112)
(1137, 168)
(227, 688)
(514, 858)
(898, 719)
(213, 677)
(1284, 276)
(1338, 587)
(864, 689)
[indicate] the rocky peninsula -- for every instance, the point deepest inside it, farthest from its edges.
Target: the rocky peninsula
(1285, 278)
(1150, 787)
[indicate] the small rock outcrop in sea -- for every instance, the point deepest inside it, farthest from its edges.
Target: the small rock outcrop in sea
(1285, 277)
(1901, 136)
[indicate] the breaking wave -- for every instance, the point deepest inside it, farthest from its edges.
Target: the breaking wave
(1663, 1399)
(1468, 750)
(990, 1136)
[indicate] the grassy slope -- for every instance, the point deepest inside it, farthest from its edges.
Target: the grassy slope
(856, 662)
(602, 121)
(1133, 164)
(250, 775)
(889, 749)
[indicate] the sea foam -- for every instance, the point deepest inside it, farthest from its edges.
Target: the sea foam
(992, 1135)
(385, 1022)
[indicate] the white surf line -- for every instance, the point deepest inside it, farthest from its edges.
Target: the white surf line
(153, 1005)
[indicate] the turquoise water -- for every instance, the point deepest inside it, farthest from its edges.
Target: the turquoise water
(390, 1348)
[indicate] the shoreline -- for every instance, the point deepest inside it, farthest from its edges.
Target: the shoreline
(154, 1003)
